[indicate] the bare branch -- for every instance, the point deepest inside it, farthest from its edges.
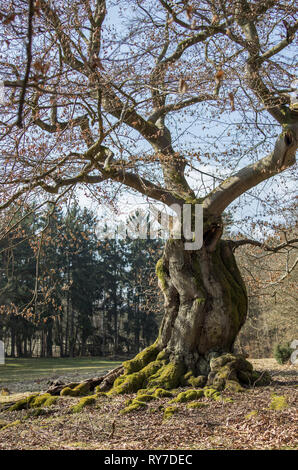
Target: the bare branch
(162, 111)
(28, 64)
(282, 157)
(274, 249)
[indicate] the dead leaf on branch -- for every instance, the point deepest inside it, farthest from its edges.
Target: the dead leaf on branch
(9, 18)
(189, 11)
(182, 87)
(41, 67)
(232, 101)
(219, 76)
(96, 62)
(215, 19)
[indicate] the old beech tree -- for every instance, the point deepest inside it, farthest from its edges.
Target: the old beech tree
(95, 94)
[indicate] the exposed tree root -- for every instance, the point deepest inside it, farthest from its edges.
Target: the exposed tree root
(151, 369)
(152, 375)
(231, 372)
(105, 382)
(227, 371)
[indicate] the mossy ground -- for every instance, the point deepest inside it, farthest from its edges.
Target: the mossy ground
(81, 389)
(204, 423)
(188, 395)
(278, 402)
(170, 411)
(152, 376)
(196, 405)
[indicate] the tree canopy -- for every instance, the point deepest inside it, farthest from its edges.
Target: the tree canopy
(108, 95)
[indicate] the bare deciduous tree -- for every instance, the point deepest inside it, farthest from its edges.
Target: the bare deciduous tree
(112, 89)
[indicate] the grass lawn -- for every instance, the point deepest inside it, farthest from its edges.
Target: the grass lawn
(26, 371)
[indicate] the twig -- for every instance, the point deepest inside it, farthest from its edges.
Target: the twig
(111, 435)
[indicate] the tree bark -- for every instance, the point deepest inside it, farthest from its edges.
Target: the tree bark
(205, 303)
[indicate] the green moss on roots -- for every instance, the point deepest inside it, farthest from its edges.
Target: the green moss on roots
(141, 360)
(130, 383)
(196, 404)
(190, 379)
(76, 391)
(168, 376)
(169, 412)
(40, 400)
(278, 402)
(162, 393)
(231, 371)
(34, 401)
(145, 397)
(148, 376)
(9, 425)
(188, 395)
(85, 401)
(133, 406)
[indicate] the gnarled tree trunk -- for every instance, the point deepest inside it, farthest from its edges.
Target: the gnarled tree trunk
(205, 307)
(205, 303)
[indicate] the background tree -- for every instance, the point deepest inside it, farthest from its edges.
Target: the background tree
(18, 271)
(106, 105)
(271, 278)
(68, 295)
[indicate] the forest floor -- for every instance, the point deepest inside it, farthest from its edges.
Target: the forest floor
(247, 422)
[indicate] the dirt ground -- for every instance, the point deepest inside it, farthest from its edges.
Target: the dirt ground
(247, 422)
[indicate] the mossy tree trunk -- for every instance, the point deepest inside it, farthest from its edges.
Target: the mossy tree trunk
(205, 307)
(205, 303)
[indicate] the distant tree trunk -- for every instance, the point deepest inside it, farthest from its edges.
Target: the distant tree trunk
(59, 333)
(42, 344)
(116, 337)
(66, 327)
(66, 348)
(30, 346)
(71, 334)
(49, 338)
(19, 345)
(137, 324)
(25, 346)
(12, 343)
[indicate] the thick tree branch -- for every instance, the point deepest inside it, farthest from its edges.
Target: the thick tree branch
(60, 126)
(28, 64)
(66, 43)
(280, 159)
(281, 45)
(246, 20)
(162, 111)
